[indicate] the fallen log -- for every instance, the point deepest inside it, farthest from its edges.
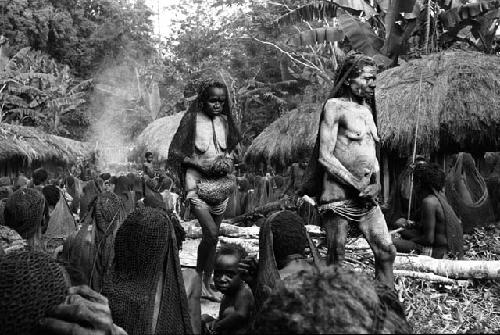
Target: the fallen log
(455, 269)
(425, 276)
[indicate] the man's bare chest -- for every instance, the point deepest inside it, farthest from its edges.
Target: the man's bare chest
(357, 124)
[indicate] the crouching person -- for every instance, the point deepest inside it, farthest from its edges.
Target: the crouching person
(36, 297)
(237, 304)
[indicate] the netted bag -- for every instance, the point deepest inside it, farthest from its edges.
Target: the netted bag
(467, 193)
(216, 190)
(30, 284)
(24, 211)
(222, 166)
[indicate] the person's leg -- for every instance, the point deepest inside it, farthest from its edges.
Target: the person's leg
(208, 244)
(209, 265)
(375, 230)
(335, 227)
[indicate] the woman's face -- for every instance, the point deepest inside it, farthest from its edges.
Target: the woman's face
(215, 102)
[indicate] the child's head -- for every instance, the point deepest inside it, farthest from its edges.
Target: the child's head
(226, 275)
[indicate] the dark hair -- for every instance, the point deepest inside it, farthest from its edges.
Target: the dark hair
(105, 176)
(430, 176)
(204, 88)
(232, 249)
(51, 194)
(40, 176)
(113, 180)
(147, 154)
(289, 236)
(331, 301)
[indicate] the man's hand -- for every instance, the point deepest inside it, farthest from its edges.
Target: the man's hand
(84, 312)
(370, 192)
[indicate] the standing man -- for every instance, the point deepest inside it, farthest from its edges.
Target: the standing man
(343, 171)
(201, 153)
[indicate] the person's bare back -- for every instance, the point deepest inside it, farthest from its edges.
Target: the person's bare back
(347, 142)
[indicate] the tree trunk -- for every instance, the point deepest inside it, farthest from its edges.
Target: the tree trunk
(456, 269)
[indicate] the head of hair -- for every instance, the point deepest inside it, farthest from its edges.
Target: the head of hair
(105, 176)
(204, 91)
(289, 235)
(113, 180)
(331, 301)
(351, 68)
(40, 176)
(232, 249)
(430, 176)
(52, 194)
(31, 284)
(147, 154)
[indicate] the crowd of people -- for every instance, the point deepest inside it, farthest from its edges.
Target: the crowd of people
(120, 273)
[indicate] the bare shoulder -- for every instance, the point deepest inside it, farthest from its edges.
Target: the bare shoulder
(336, 107)
(431, 201)
(246, 294)
(333, 109)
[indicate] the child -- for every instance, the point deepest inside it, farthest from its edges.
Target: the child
(237, 303)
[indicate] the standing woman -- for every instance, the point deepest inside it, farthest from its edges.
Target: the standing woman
(201, 152)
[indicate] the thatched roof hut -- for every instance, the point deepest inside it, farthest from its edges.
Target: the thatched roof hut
(287, 140)
(459, 104)
(158, 135)
(29, 144)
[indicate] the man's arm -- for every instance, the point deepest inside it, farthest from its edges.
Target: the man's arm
(328, 130)
(429, 209)
(242, 307)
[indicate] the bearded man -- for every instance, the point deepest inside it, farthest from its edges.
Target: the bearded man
(343, 171)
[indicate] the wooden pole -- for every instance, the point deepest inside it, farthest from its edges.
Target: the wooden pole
(386, 179)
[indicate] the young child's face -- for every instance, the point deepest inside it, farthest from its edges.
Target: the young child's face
(226, 276)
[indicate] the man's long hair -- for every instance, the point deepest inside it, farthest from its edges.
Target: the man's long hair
(182, 144)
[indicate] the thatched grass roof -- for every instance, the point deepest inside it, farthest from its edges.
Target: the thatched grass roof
(30, 144)
(287, 140)
(459, 106)
(158, 135)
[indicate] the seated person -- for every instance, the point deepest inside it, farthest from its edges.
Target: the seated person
(237, 303)
(90, 249)
(24, 212)
(145, 286)
(331, 301)
(37, 298)
(282, 243)
(440, 230)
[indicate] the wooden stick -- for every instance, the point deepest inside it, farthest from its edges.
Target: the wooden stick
(424, 276)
